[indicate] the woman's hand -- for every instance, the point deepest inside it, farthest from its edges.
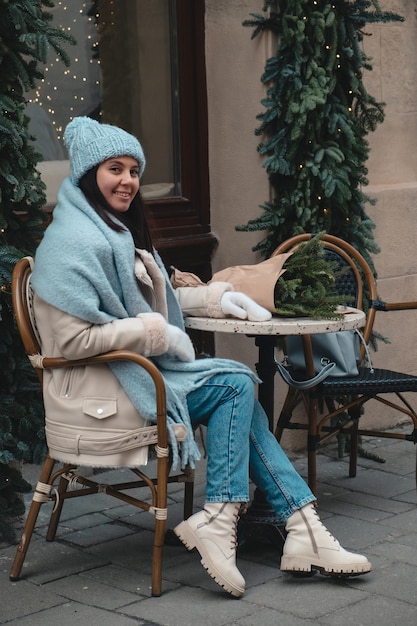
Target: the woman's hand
(179, 344)
(239, 305)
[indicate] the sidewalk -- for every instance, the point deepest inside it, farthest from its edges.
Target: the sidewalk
(97, 572)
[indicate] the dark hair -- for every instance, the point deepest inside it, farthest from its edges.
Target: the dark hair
(133, 219)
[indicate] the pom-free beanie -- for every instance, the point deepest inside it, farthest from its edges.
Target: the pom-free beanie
(90, 143)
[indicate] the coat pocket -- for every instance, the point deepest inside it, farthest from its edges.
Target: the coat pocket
(67, 383)
(100, 408)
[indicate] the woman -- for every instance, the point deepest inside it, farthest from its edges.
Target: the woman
(99, 285)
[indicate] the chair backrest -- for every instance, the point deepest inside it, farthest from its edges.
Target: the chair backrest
(356, 280)
(22, 305)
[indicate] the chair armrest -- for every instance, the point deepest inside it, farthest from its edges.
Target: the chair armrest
(379, 305)
(124, 355)
(106, 357)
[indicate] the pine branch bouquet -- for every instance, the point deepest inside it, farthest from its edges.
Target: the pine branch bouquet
(308, 285)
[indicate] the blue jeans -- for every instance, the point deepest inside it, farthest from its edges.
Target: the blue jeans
(240, 444)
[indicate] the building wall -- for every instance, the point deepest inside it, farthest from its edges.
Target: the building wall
(393, 181)
(238, 183)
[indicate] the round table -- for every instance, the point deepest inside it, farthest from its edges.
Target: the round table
(266, 335)
(260, 520)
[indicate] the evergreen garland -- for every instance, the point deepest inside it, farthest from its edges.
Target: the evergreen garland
(26, 34)
(316, 119)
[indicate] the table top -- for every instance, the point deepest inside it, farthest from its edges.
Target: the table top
(352, 318)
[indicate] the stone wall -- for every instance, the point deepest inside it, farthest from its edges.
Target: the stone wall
(238, 183)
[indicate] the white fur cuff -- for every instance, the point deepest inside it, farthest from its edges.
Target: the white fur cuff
(156, 337)
(215, 291)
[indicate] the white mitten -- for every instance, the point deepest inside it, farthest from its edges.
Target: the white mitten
(179, 344)
(239, 305)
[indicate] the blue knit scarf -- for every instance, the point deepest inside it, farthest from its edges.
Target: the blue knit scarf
(86, 269)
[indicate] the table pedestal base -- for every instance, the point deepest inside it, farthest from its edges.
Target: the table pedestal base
(260, 524)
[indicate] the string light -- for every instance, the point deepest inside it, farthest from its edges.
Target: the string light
(66, 92)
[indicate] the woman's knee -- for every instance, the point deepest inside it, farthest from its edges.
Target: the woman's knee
(240, 384)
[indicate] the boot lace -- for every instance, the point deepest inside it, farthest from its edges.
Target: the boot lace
(233, 539)
(316, 515)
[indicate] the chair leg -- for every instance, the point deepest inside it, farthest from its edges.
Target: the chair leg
(188, 493)
(56, 513)
(354, 441)
(159, 540)
(163, 467)
(291, 401)
(313, 441)
(353, 456)
(30, 522)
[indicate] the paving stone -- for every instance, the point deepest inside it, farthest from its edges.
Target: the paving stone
(90, 592)
(405, 521)
(374, 482)
(373, 610)
(47, 561)
(339, 506)
(396, 580)
(375, 502)
(271, 617)
(131, 581)
(399, 551)
(358, 535)
(74, 614)
(21, 598)
(408, 496)
(189, 606)
(99, 534)
(307, 598)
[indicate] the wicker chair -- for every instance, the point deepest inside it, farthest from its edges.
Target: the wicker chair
(347, 396)
(70, 481)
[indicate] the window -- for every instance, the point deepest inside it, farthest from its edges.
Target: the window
(153, 85)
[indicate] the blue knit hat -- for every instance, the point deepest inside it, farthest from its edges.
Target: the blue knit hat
(90, 143)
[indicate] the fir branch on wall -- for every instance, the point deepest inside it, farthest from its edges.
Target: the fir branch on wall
(26, 35)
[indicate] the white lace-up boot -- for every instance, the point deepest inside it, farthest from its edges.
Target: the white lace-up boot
(213, 532)
(310, 546)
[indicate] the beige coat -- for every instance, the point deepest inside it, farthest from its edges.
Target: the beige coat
(89, 418)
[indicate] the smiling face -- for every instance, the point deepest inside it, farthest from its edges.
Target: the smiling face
(118, 181)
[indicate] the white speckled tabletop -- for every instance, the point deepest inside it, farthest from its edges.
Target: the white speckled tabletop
(352, 318)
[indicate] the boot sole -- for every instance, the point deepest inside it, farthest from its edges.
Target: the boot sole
(187, 537)
(297, 564)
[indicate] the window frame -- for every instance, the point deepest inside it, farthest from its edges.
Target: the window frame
(180, 225)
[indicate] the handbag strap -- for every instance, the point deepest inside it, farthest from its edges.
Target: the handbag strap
(304, 384)
(367, 353)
